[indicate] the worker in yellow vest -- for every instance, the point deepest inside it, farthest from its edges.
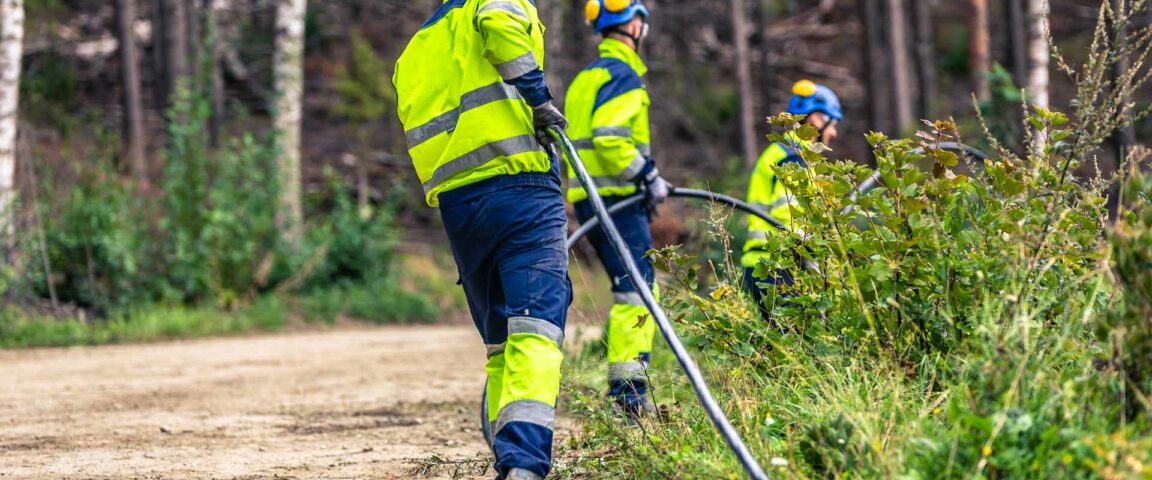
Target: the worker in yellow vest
(607, 104)
(822, 110)
(474, 105)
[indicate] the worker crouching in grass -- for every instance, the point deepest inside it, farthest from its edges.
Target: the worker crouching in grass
(822, 111)
(608, 107)
(474, 105)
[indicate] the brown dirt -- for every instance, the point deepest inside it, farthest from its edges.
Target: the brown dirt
(363, 403)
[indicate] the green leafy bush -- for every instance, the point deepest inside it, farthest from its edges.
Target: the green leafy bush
(944, 326)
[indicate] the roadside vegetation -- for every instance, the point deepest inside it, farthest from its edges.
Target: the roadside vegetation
(985, 326)
(198, 253)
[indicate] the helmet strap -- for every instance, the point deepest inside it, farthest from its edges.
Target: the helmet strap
(637, 40)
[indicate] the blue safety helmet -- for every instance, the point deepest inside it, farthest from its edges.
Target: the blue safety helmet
(808, 97)
(604, 14)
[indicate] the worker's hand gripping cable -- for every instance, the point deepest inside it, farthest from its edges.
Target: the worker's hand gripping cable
(721, 422)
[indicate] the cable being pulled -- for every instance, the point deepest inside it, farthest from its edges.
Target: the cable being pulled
(735, 443)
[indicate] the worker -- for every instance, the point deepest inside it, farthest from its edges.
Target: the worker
(474, 105)
(821, 108)
(608, 107)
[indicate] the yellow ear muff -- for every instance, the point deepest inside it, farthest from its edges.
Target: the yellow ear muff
(592, 10)
(804, 88)
(617, 6)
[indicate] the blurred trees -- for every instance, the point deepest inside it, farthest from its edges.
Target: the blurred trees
(717, 70)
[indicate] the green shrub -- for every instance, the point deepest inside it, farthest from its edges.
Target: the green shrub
(208, 236)
(956, 327)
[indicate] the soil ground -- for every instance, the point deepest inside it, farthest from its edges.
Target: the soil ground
(397, 402)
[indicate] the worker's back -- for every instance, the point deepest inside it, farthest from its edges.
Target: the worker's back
(463, 123)
(607, 110)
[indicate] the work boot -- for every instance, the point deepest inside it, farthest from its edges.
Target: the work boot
(634, 407)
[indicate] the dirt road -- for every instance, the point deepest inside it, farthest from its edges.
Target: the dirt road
(367, 403)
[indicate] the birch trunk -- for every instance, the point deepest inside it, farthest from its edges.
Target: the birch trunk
(11, 53)
(1038, 52)
(289, 74)
(901, 73)
(744, 82)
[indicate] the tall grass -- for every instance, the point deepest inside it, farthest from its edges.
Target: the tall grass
(994, 326)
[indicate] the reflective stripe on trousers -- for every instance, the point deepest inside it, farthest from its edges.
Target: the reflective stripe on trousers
(627, 371)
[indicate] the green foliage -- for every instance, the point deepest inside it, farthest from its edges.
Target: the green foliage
(146, 324)
(1001, 112)
(49, 89)
(96, 242)
(364, 85)
(954, 59)
(1128, 331)
(957, 328)
(379, 302)
(206, 237)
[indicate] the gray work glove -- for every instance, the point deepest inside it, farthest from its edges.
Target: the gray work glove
(656, 190)
(544, 116)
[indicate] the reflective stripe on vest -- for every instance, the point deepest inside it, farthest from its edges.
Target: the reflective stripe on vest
(446, 122)
(519, 66)
(486, 153)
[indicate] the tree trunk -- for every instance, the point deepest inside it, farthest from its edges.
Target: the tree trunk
(11, 54)
(1038, 52)
(133, 127)
(874, 66)
(767, 86)
(925, 59)
(979, 61)
(1125, 137)
(289, 74)
(744, 82)
(214, 50)
(175, 47)
(159, 55)
(194, 12)
(901, 81)
(1017, 41)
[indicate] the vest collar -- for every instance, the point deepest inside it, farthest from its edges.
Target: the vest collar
(613, 48)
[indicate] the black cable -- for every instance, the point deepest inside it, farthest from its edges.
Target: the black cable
(731, 436)
(594, 223)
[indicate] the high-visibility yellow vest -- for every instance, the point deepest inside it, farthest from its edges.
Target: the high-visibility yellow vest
(463, 123)
(767, 192)
(607, 111)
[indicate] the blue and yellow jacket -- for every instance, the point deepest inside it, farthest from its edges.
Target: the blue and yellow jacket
(607, 110)
(767, 192)
(465, 86)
